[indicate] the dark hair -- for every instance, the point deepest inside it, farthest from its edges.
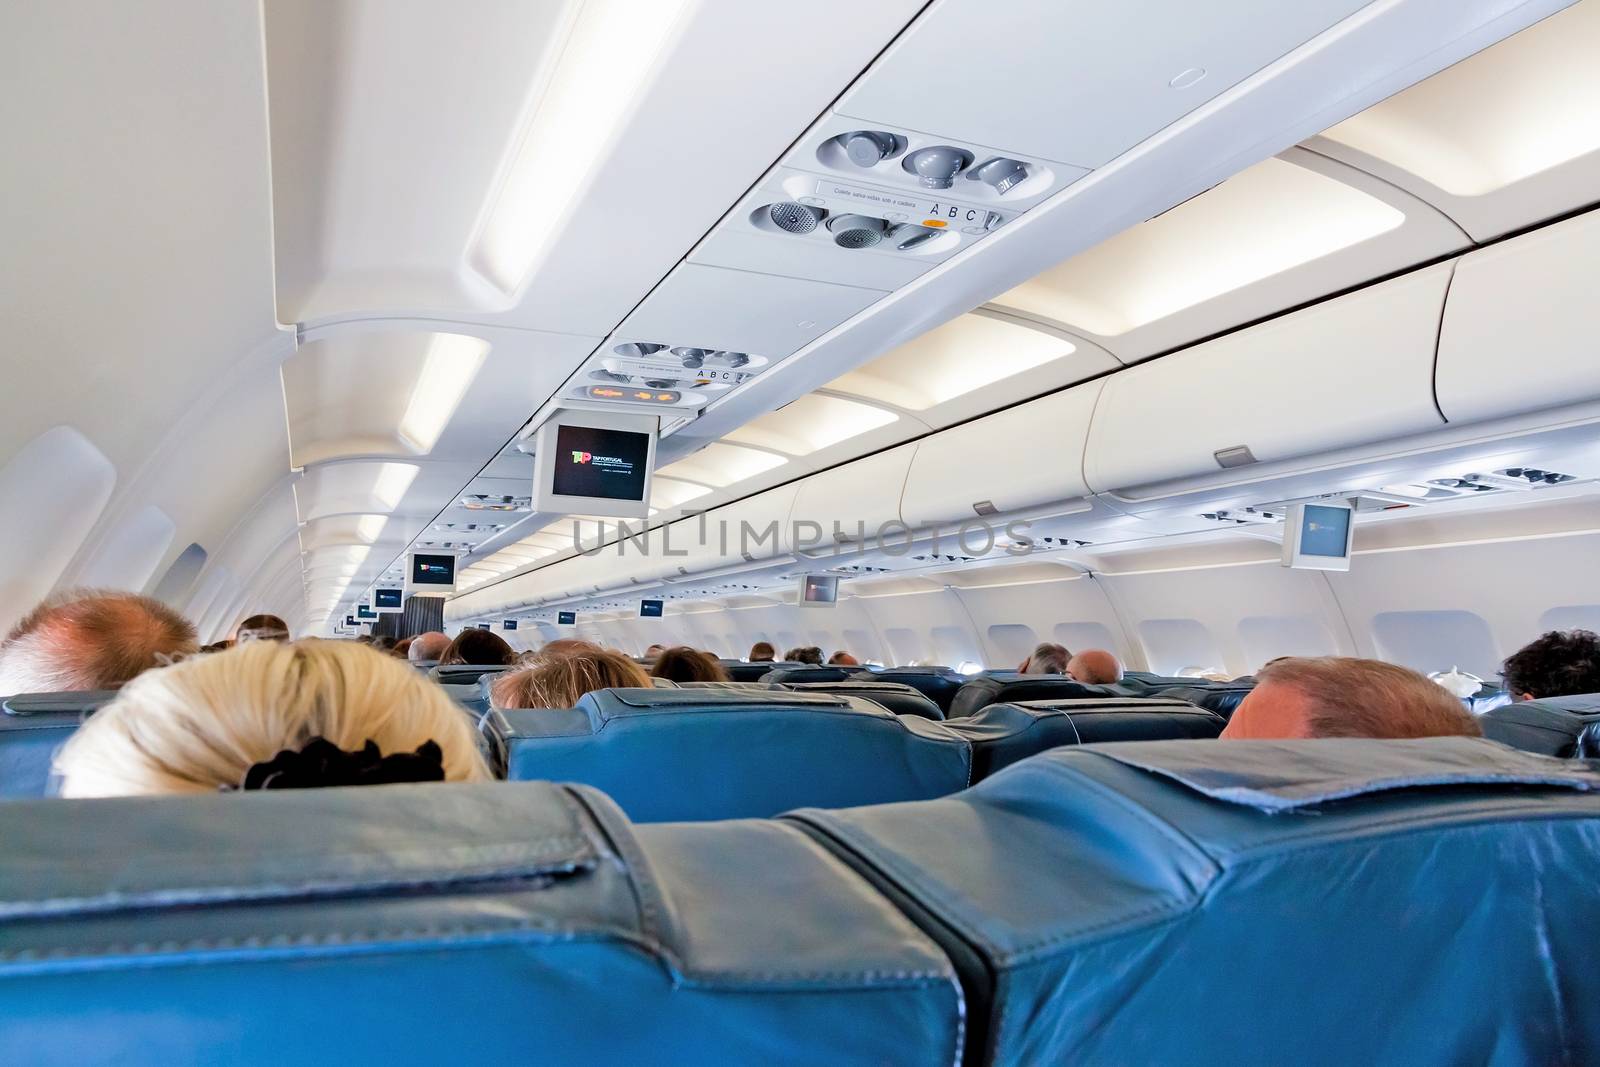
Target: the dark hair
(804, 654)
(684, 664)
(481, 648)
(842, 658)
(762, 652)
(1047, 658)
(263, 628)
(1555, 664)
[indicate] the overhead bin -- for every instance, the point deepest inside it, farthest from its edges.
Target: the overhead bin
(1520, 324)
(849, 503)
(1345, 372)
(1025, 457)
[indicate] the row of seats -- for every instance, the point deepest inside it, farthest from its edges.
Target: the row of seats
(1161, 902)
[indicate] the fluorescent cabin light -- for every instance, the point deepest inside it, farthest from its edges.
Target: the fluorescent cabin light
(392, 482)
(721, 465)
(370, 527)
(452, 363)
(610, 51)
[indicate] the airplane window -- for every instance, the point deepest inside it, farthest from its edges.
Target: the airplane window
(1081, 635)
(952, 644)
(1171, 645)
(61, 483)
(1012, 642)
(1571, 617)
(181, 573)
(1430, 641)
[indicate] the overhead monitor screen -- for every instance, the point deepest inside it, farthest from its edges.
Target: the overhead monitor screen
(433, 570)
(1317, 536)
(508, 624)
(566, 618)
(818, 590)
(651, 609)
(485, 626)
(388, 600)
(595, 462)
(364, 611)
(1325, 531)
(349, 620)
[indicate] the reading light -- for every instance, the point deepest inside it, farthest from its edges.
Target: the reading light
(610, 51)
(452, 363)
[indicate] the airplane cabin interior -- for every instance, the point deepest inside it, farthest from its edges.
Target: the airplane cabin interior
(1120, 481)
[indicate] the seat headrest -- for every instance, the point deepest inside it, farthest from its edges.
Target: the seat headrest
(891, 696)
(938, 684)
(1548, 726)
(1589, 741)
(466, 673)
(807, 672)
(697, 754)
(1003, 734)
(32, 727)
(1223, 698)
(980, 692)
(1093, 889)
(527, 912)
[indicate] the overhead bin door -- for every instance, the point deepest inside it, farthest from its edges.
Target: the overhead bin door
(1028, 456)
(1346, 372)
(1519, 328)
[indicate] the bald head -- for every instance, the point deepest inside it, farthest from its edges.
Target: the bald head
(1095, 666)
(428, 647)
(87, 639)
(1337, 696)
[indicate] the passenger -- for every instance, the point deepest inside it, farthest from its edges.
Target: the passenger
(842, 658)
(762, 652)
(1555, 664)
(1047, 658)
(402, 648)
(561, 646)
(1095, 666)
(1337, 696)
(383, 643)
(427, 647)
(558, 681)
(654, 650)
(217, 646)
(685, 664)
(271, 715)
(87, 639)
(478, 648)
(261, 628)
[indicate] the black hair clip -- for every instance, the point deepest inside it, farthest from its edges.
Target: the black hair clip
(321, 763)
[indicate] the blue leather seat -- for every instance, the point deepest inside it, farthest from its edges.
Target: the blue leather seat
(1487, 698)
(695, 754)
(1002, 734)
(737, 687)
(1589, 741)
(1549, 727)
(981, 691)
(435, 924)
(32, 727)
(1221, 697)
(465, 673)
(938, 684)
(891, 696)
(807, 672)
(1203, 903)
(739, 671)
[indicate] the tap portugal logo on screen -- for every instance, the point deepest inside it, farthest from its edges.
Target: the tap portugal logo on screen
(581, 457)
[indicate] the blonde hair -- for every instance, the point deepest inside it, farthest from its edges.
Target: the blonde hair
(557, 681)
(198, 725)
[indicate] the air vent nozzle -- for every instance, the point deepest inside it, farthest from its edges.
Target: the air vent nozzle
(857, 231)
(791, 217)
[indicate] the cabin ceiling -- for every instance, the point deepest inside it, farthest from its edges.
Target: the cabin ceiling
(295, 274)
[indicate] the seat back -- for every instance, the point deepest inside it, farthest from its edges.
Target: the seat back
(695, 754)
(1003, 734)
(1220, 697)
(938, 684)
(807, 672)
(980, 692)
(891, 696)
(465, 673)
(739, 671)
(32, 727)
(1132, 903)
(1589, 741)
(738, 687)
(322, 925)
(1549, 727)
